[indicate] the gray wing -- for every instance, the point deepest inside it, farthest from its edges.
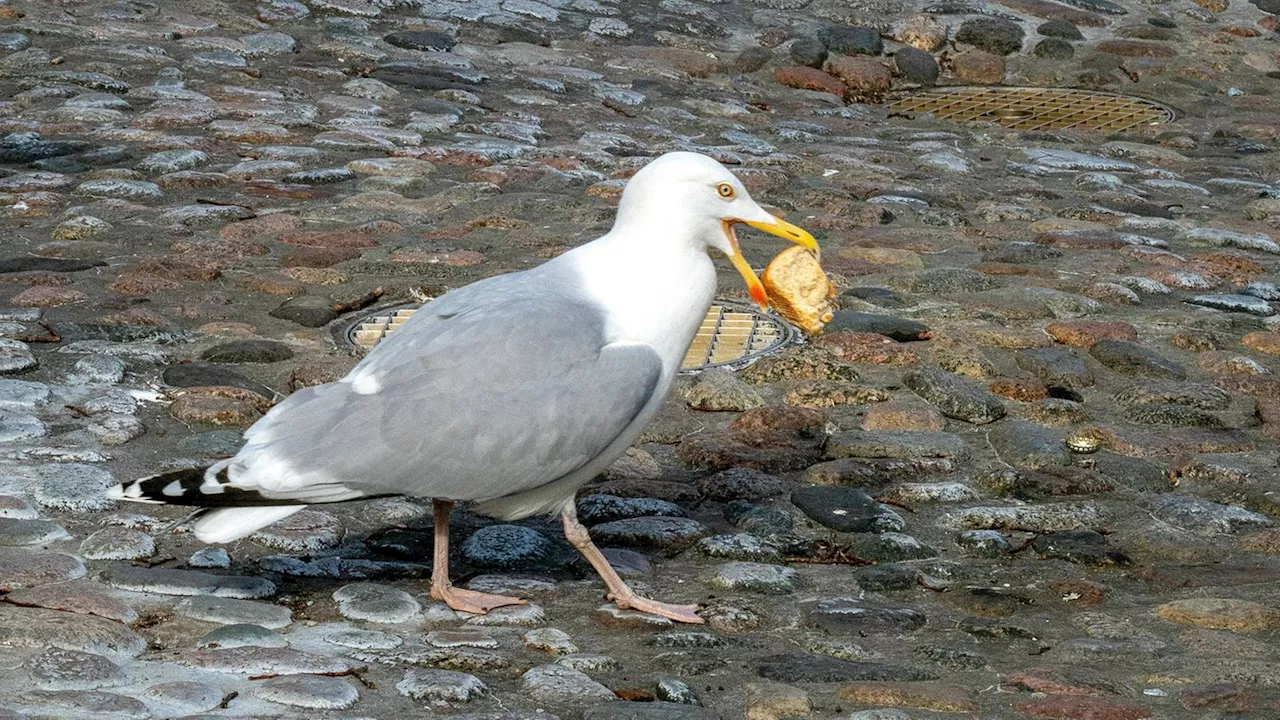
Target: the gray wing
(494, 389)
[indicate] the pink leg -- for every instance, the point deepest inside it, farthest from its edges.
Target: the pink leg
(624, 596)
(441, 589)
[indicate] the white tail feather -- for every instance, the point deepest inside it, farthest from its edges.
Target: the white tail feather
(228, 524)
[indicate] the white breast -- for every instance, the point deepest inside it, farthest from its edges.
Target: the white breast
(652, 298)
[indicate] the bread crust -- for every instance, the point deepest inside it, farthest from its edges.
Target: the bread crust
(799, 290)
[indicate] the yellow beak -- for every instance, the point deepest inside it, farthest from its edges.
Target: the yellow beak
(782, 229)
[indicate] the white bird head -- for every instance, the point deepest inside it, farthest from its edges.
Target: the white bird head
(693, 199)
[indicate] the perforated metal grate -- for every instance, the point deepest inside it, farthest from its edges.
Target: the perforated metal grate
(1036, 108)
(730, 334)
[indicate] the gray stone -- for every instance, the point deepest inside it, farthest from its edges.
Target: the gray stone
(118, 543)
(1056, 366)
(248, 351)
(916, 66)
(852, 616)
(364, 639)
(28, 568)
(1131, 358)
(550, 640)
(185, 696)
(994, 35)
(251, 660)
(375, 603)
(506, 546)
(719, 389)
(441, 687)
(1206, 518)
(904, 444)
(1044, 517)
(983, 543)
(58, 669)
(168, 581)
(649, 711)
(41, 628)
(23, 395)
(1060, 29)
(15, 357)
(955, 397)
(754, 577)
(21, 532)
(73, 486)
(97, 369)
(560, 684)
(87, 704)
(306, 531)
(808, 52)
(849, 40)
(595, 509)
(308, 691)
(667, 534)
(846, 509)
(20, 427)
(1027, 445)
(1234, 303)
(804, 668)
(742, 546)
(210, 557)
(240, 635)
(230, 611)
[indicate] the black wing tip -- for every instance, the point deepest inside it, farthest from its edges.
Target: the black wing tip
(188, 487)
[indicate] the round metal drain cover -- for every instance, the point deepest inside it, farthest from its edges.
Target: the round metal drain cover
(731, 334)
(1036, 108)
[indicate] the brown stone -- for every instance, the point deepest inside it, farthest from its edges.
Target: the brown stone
(1261, 387)
(1221, 614)
(1054, 11)
(1270, 23)
(866, 78)
(317, 276)
(1085, 333)
(831, 393)
(339, 239)
(1263, 342)
(130, 283)
(318, 257)
(774, 701)
(221, 406)
(1080, 707)
(1233, 266)
(1019, 389)
(1077, 240)
(46, 296)
(1135, 48)
(977, 67)
(807, 78)
(923, 32)
(892, 416)
(1063, 680)
(1266, 541)
(135, 317)
(928, 696)
(191, 180)
(1083, 592)
(1240, 31)
(1229, 363)
(191, 269)
(47, 279)
(271, 284)
(1214, 6)
(271, 225)
(455, 258)
(1231, 698)
(865, 347)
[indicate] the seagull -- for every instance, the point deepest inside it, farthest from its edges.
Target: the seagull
(510, 393)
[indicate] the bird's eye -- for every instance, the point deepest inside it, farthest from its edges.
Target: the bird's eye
(726, 190)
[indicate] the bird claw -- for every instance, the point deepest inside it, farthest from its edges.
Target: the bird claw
(470, 601)
(671, 611)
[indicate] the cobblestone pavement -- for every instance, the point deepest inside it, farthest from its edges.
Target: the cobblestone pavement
(1030, 471)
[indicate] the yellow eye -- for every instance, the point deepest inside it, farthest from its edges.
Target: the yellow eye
(726, 190)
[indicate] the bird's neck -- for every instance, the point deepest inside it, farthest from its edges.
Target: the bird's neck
(656, 292)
